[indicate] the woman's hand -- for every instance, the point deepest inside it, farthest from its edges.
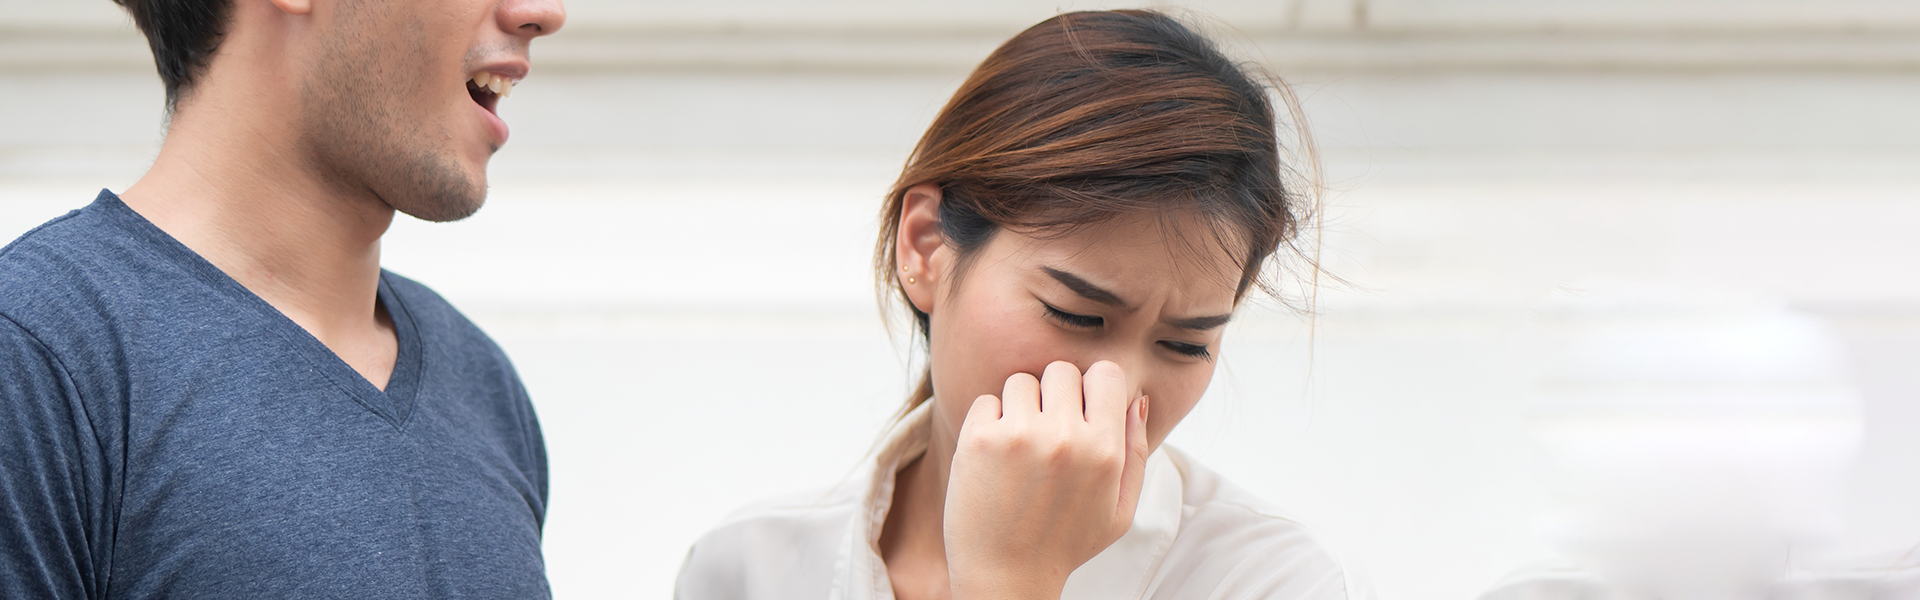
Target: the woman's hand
(1045, 477)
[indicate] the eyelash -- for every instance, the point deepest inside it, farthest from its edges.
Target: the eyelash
(1191, 350)
(1073, 320)
(1092, 322)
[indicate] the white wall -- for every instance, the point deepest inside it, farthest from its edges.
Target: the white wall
(674, 253)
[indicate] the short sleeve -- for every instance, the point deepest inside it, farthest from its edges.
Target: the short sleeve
(48, 477)
(536, 445)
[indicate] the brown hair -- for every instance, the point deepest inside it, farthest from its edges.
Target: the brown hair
(1089, 116)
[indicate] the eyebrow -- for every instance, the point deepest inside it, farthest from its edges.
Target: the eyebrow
(1088, 290)
(1201, 323)
(1084, 288)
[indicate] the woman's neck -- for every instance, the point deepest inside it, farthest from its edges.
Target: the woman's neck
(912, 541)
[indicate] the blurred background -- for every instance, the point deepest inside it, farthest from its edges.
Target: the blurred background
(675, 253)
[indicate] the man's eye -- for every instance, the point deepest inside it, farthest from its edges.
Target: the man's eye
(1073, 320)
(1193, 350)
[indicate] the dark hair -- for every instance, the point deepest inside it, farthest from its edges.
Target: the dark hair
(1089, 116)
(183, 35)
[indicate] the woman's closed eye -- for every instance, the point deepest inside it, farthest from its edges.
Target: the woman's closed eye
(1079, 321)
(1186, 349)
(1075, 321)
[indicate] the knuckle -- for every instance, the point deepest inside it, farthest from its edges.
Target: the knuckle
(1060, 452)
(1013, 440)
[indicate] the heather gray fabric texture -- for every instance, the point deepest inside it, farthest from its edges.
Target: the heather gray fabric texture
(164, 433)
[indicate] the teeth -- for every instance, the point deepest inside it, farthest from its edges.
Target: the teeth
(500, 86)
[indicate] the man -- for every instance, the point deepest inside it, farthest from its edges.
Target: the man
(208, 386)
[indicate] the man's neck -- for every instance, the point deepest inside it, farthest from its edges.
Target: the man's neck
(234, 187)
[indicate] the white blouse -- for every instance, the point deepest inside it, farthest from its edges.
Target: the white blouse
(1194, 535)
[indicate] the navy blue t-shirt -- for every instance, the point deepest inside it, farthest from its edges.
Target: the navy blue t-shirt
(165, 433)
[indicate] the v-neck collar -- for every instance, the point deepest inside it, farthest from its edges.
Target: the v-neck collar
(394, 405)
(1124, 570)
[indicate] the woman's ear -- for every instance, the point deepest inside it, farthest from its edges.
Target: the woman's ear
(921, 246)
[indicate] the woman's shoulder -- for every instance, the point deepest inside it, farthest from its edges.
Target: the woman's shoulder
(799, 509)
(772, 548)
(1206, 492)
(1234, 542)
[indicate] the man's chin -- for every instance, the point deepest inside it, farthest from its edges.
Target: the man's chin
(443, 214)
(440, 192)
(440, 207)
(444, 208)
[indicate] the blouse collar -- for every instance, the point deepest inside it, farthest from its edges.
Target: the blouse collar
(1123, 570)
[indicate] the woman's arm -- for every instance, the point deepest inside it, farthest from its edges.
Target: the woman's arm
(1045, 477)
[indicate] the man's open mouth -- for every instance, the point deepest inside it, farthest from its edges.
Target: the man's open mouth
(487, 89)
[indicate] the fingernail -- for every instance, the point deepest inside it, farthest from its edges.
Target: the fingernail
(1143, 409)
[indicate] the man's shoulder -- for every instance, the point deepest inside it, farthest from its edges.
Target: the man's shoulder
(71, 268)
(79, 229)
(47, 253)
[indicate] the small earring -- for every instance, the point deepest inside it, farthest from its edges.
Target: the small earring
(903, 268)
(911, 281)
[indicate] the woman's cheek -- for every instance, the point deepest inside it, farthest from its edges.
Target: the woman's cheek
(1016, 339)
(980, 346)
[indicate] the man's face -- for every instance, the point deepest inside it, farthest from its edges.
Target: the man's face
(391, 107)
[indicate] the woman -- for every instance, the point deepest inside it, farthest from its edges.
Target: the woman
(1071, 236)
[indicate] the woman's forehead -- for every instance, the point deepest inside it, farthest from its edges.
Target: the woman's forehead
(1139, 254)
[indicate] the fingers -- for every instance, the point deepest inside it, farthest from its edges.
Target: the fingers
(985, 408)
(1106, 393)
(1020, 398)
(1060, 390)
(1133, 475)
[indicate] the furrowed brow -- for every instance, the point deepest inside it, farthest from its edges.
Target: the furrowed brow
(1084, 288)
(1201, 323)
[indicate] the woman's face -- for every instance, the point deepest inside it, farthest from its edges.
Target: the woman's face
(1151, 300)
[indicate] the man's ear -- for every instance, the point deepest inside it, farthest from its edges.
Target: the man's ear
(921, 247)
(293, 7)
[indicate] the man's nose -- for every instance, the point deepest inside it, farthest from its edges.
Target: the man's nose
(531, 18)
